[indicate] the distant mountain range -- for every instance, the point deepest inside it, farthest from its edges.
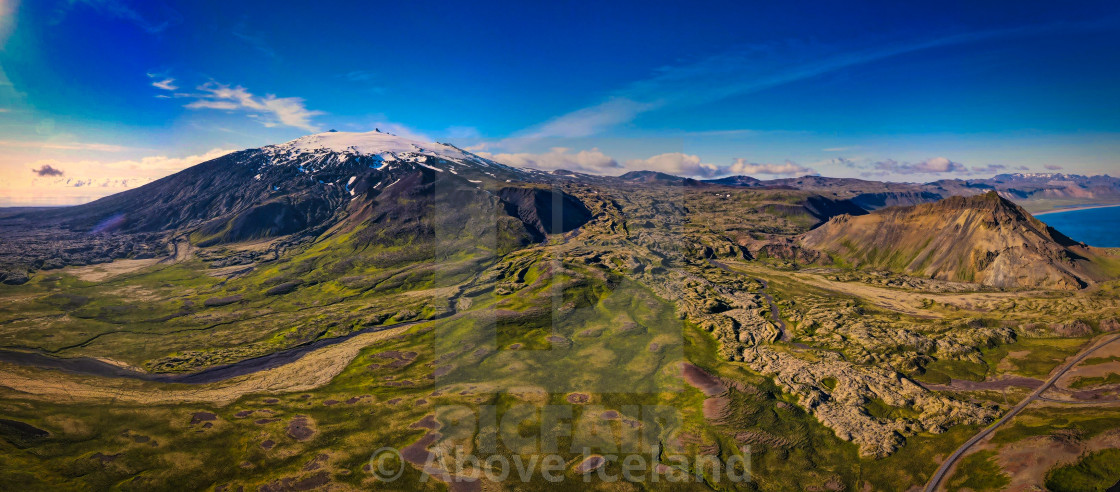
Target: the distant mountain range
(395, 190)
(1034, 191)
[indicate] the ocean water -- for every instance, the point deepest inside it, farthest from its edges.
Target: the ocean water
(1092, 226)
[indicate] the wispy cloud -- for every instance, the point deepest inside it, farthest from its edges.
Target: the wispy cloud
(936, 165)
(163, 82)
(595, 161)
(587, 161)
(737, 72)
(676, 163)
(99, 147)
(787, 168)
(256, 41)
(123, 11)
(359, 75)
(989, 169)
(1054, 167)
(589, 121)
(364, 78)
(691, 165)
(269, 109)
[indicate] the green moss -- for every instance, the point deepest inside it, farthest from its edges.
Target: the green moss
(1092, 361)
(880, 409)
(1045, 354)
(978, 471)
(1096, 471)
(915, 462)
(1089, 382)
(941, 371)
(1046, 421)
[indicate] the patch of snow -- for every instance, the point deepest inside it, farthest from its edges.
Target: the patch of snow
(376, 150)
(430, 167)
(352, 179)
(369, 143)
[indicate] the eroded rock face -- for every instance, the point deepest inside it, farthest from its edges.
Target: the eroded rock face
(984, 239)
(544, 211)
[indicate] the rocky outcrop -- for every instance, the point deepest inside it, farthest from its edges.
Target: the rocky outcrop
(984, 239)
(544, 211)
(843, 408)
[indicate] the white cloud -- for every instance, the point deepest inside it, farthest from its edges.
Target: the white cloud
(588, 161)
(167, 84)
(589, 121)
(269, 110)
(63, 146)
(936, 165)
(595, 161)
(160, 165)
(60, 182)
(989, 169)
(213, 105)
(741, 166)
(399, 130)
(676, 163)
(118, 9)
(738, 71)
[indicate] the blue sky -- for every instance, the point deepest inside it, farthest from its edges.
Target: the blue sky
(112, 93)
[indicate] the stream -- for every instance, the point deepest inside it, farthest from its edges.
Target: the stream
(94, 367)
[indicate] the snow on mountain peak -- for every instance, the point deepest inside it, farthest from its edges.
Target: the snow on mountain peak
(376, 150)
(387, 146)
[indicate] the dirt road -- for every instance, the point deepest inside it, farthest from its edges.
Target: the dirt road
(943, 470)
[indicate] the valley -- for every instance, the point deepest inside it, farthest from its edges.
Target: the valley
(276, 315)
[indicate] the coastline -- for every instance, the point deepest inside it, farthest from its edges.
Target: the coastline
(1073, 209)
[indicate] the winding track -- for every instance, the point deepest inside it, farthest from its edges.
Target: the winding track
(943, 470)
(95, 367)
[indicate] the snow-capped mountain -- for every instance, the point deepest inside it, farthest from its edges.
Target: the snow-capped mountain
(377, 150)
(389, 187)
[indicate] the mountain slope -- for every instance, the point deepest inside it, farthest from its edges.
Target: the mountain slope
(984, 239)
(311, 176)
(334, 180)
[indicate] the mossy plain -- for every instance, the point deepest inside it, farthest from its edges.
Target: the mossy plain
(523, 327)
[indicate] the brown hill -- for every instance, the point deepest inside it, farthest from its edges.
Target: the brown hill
(983, 238)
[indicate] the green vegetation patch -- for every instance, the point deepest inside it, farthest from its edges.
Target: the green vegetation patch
(1091, 382)
(979, 471)
(880, 409)
(1084, 423)
(1095, 471)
